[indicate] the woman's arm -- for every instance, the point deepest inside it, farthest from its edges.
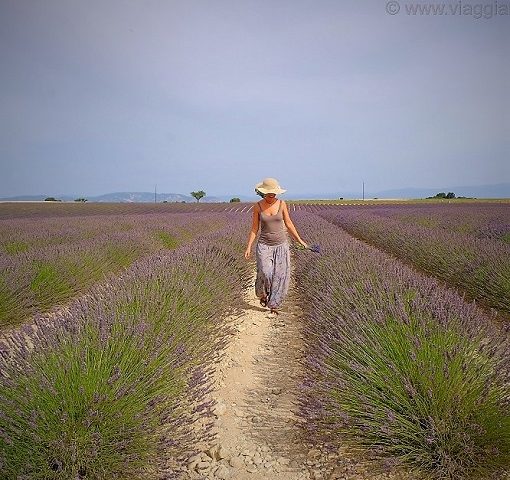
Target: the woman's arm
(254, 230)
(290, 226)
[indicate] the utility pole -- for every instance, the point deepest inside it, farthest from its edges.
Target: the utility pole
(363, 190)
(155, 192)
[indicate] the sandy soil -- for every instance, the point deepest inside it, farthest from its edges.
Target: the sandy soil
(255, 390)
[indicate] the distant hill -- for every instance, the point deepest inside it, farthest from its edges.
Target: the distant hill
(501, 190)
(138, 197)
(121, 197)
(142, 197)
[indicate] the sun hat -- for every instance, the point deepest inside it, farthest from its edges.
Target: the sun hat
(269, 185)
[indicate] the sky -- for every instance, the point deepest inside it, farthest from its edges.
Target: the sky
(215, 95)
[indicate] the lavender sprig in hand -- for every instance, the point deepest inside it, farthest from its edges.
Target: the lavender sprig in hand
(313, 248)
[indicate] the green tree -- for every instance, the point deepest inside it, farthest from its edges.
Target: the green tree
(198, 195)
(235, 199)
(450, 195)
(441, 195)
(50, 199)
(81, 199)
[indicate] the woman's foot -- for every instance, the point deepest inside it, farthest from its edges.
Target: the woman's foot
(263, 302)
(273, 310)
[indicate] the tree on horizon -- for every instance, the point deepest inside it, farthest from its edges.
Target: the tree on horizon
(198, 195)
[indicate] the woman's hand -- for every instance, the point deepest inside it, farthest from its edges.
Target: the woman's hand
(301, 245)
(247, 253)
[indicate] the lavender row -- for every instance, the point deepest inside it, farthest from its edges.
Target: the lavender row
(480, 267)
(399, 366)
(112, 387)
(36, 281)
(482, 220)
(28, 235)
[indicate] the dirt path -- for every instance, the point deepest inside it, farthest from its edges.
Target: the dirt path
(256, 420)
(255, 389)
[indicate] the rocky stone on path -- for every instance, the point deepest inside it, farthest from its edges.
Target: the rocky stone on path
(193, 461)
(216, 452)
(236, 462)
(221, 452)
(202, 466)
(200, 463)
(211, 452)
(338, 473)
(314, 453)
(222, 472)
(316, 475)
(219, 409)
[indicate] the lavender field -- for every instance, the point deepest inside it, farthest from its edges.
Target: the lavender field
(482, 220)
(463, 245)
(44, 266)
(112, 318)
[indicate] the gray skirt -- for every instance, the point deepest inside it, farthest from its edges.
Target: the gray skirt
(273, 273)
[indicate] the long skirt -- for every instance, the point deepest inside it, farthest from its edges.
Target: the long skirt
(273, 273)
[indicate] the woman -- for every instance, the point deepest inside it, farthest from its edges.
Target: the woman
(273, 255)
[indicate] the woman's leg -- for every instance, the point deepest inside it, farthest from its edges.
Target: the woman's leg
(264, 271)
(280, 276)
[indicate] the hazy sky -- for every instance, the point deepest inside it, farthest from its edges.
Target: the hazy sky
(105, 96)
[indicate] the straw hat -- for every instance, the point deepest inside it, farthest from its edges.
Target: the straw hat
(269, 185)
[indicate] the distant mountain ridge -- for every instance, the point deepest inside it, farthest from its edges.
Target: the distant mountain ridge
(118, 197)
(501, 190)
